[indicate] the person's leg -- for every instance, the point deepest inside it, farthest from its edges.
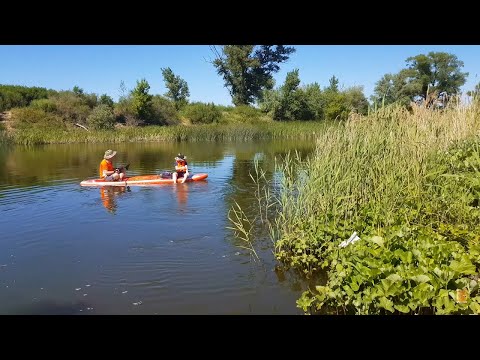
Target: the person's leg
(174, 177)
(115, 176)
(185, 175)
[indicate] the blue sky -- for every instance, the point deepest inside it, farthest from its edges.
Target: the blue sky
(101, 68)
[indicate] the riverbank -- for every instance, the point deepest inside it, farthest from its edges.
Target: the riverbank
(210, 132)
(406, 183)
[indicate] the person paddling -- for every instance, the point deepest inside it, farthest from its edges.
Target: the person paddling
(108, 171)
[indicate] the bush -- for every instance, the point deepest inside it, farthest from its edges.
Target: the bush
(28, 117)
(46, 105)
(125, 112)
(19, 96)
(200, 113)
(102, 117)
(163, 112)
(72, 108)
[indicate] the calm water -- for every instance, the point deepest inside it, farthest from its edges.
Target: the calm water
(66, 249)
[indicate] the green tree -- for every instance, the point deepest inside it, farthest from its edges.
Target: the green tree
(77, 90)
(142, 101)
(106, 100)
(333, 84)
(425, 75)
(177, 88)
(437, 71)
(248, 69)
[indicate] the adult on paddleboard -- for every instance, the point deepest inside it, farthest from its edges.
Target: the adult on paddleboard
(181, 168)
(108, 171)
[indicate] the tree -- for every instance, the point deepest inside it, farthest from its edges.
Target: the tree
(77, 90)
(333, 84)
(106, 100)
(142, 100)
(426, 76)
(177, 88)
(437, 72)
(249, 69)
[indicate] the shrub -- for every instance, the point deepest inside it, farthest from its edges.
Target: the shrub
(163, 112)
(199, 113)
(102, 117)
(28, 117)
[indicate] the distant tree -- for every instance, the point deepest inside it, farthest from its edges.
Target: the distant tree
(356, 100)
(249, 69)
(437, 71)
(142, 100)
(177, 88)
(106, 100)
(77, 90)
(426, 75)
(333, 84)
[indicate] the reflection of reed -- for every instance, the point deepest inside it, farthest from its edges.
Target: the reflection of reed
(108, 195)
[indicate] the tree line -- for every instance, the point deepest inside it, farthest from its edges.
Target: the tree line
(247, 72)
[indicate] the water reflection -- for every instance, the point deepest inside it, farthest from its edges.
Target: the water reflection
(108, 195)
(181, 190)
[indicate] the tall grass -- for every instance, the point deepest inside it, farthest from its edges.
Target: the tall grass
(408, 183)
(238, 132)
(364, 171)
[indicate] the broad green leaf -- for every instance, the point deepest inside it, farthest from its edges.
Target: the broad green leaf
(394, 278)
(463, 267)
(377, 240)
(421, 278)
(475, 307)
(402, 308)
(386, 304)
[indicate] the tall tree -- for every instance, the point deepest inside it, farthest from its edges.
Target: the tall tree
(249, 69)
(425, 75)
(437, 71)
(142, 100)
(177, 88)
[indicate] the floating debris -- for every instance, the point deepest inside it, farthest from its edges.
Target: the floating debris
(78, 289)
(124, 292)
(237, 253)
(137, 303)
(84, 294)
(41, 288)
(352, 239)
(88, 285)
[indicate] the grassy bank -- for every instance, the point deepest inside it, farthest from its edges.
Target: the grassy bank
(237, 132)
(408, 184)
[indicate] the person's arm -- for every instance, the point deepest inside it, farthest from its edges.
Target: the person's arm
(186, 174)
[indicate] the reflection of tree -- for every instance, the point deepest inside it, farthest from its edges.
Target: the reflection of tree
(108, 195)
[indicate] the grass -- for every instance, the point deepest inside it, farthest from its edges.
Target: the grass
(212, 132)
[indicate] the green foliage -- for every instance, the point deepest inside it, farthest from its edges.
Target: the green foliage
(249, 69)
(142, 101)
(410, 270)
(27, 117)
(19, 96)
(47, 105)
(177, 88)
(425, 75)
(125, 112)
(242, 114)
(102, 117)
(106, 100)
(70, 107)
(200, 113)
(163, 112)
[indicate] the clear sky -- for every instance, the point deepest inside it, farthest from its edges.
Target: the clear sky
(100, 68)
